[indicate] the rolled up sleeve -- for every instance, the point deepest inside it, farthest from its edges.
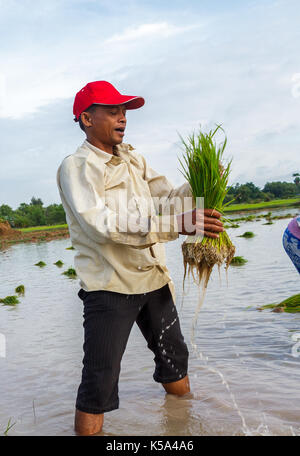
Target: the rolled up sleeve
(86, 201)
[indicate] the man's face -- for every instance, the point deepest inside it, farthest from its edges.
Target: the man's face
(106, 123)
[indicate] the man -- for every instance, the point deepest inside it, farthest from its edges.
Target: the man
(108, 192)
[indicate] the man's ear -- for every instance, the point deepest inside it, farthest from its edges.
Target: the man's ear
(86, 119)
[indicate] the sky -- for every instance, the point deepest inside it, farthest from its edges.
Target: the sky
(197, 63)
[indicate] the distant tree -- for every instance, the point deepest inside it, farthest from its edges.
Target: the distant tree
(55, 214)
(21, 221)
(297, 179)
(6, 211)
(244, 193)
(280, 189)
(36, 201)
(23, 208)
(37, 216)
(32, 214)
(267, 196)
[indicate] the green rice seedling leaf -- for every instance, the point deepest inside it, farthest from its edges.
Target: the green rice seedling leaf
(71, 273)
(247, 234)
(59, 263)
(20, 290)
(292, 301)
(8, 427)
(292, 309)
(238, 261)
(289, 305)
(41, 264)
(10, 301)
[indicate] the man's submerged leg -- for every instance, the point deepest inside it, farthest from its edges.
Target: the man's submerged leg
(159, 323)
(180, 387)
(108, 319)
(88, 423)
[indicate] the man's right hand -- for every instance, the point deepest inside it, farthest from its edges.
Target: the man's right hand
(200, 221)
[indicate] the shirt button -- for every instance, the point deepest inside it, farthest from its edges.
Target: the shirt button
(139, 267)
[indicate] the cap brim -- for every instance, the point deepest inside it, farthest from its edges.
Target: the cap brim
(130, 102)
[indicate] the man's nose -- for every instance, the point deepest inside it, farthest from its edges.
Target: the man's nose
(122, 116)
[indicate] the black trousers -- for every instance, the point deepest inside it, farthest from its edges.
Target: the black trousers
(108, 319)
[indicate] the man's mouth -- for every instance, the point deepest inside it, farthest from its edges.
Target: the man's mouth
(120, 130)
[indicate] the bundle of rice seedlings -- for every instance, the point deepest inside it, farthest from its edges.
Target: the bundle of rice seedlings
(20, 290)
(238, 261)
(10, 300)
(247, 234)
(290, 305)
(208, 178)
(41, 264)
(230, 224)
(71, 273)
(58, 263)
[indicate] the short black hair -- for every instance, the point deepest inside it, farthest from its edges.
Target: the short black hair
(89, 109)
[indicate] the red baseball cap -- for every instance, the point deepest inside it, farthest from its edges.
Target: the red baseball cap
(103, 93)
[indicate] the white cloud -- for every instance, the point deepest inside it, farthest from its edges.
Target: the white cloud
(36, 76)
(153, 31)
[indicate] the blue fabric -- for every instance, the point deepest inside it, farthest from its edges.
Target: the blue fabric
(291, 245)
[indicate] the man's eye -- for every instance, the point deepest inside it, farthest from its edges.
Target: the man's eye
(113, 113)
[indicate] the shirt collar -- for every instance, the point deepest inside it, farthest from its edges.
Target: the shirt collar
(120, 152)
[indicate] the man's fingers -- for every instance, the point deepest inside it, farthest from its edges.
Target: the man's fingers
(209, 222)
(212, 221)
(200, 221)
(213, 227)
(209, 230)
(211, 235)
(206, 233)
(212, 213)
(200, 231)
(208, 214)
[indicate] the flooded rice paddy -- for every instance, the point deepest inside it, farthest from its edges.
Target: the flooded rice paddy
(244, 373)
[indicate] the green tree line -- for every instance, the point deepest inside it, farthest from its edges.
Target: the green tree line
(250, 193)
(33, 214)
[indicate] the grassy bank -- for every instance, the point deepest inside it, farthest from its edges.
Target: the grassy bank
(11, 236)
(264, 205)
(43, 228)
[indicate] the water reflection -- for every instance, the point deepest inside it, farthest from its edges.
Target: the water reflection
(177, 415)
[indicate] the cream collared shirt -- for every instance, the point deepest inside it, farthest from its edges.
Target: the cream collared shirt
(92, 184)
